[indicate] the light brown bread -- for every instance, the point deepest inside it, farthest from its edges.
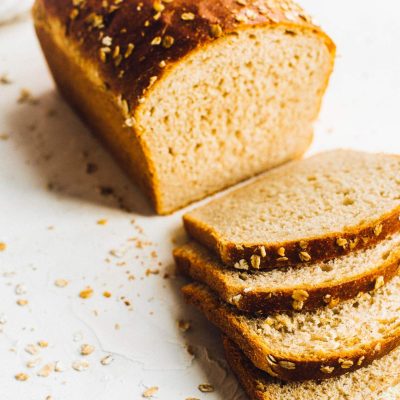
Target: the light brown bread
(293, 288)
(308, 210)
(191, 96)
(321, 344)
(378, 381)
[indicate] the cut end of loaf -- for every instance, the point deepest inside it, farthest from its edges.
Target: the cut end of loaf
(232, 109)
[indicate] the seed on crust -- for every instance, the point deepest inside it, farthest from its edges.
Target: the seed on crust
(263, 252)
(304, 256)
(281, 259)
(281, 251)
(242, 265)
(327, 369)
(341, 242)
(298, 305)
(379, 282)
(345, 364)
(287, 365)
(216, 30)
(360, 360)
(236, 299)
(303, 244)
(378, 229)
(255, 261)
(300, 295)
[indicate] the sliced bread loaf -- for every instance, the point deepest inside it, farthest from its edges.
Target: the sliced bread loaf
(379, 381)
(310, 345)
(314, 285)
(191, 96)
(308, 210)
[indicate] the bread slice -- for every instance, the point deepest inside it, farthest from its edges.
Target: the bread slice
(298, 288)
(310, 345)
(308, 210)
(379, 381)
(191, 96)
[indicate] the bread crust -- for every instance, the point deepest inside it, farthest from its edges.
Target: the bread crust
(306, 367)
(130, 79)
(249, 376)
(320, 248)
(265, 300)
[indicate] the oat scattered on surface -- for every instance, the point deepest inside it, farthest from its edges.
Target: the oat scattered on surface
(86, 293)
(46, 370)
(87, 349)
(32, 349)
(43, 344)
(5, 80)
(102, 222)
(22, 377)
(33, 363)
(107, 294)
(206, 388)
(107, 360)
(80, 365)
(150, 392)
(20, 289)
(61, 283)
(59, 367)
(3, 246)
(22, 302)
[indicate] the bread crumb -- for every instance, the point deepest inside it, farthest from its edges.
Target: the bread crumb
(150, 392)
(3, 246)
(107, 360)
(107, 294)
(43, 344)
(102, 222)
(22, 377)
(80, 365)
(86, 293)
(22, 302)
(61, 283)
(46, 370)
(87, 349)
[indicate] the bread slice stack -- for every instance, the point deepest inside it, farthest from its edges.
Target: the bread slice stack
(300, 271)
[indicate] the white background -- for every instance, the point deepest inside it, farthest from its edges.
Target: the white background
(53, 234)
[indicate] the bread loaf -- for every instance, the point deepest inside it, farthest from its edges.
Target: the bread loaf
(303, 287)
(190, 96)
(305, 211)
(379, 381)
(328, 342)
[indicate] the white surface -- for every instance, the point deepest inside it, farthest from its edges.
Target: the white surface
(361, 110)
(10, 9)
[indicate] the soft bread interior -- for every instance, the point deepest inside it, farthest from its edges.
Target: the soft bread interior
(331, 192)
(234, 108)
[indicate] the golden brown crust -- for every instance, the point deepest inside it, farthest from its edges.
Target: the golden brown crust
(265, 300)
(306, 366)
(134, 43)
(182, 26)
(319, 248)
(252, 379)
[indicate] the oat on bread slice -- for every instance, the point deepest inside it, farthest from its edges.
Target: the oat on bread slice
(378, 381)
(305, 211)
(300, 288)
(310, 345)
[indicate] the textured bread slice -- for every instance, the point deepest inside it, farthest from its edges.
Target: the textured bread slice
(306, 288)
(378, 381)
(191, 96)
(310, 345)
(307, 210)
